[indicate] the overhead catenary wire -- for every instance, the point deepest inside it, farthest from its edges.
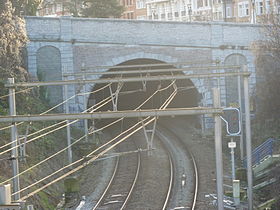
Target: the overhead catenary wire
(63, 126)
(54, 107)
(41, 130)
(4, 96)
(75, 169)
(20, 91)
(59, 152)
(165, 105)
(66, 125)
(41, 162)
(91, 160)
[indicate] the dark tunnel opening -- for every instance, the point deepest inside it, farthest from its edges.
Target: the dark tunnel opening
(133, 94)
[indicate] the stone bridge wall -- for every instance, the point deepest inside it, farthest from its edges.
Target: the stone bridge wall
(108, 42)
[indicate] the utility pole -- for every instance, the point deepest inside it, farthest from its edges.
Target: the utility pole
(248, 140)
(85, 103)
(232, 145)
(68, 128)
(225, 10)
(14, 157)
(241, 115)
(218, 150)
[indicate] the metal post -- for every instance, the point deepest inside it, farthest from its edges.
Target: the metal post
(68, 128)
(241, 118)
(232, 160)
(85, 108)
(236, 192)
(15, 167)
(248, 141)
(218, 150)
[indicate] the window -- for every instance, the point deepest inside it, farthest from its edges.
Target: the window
(259, 7)
(240, 10)
(243, 9)
(183, 13)
(228, 12)
(247, 9)
(267, 6)
(206, 3)
(176, 14)
(162, 16)
(58, 7)
(169, 15)
(140, 4)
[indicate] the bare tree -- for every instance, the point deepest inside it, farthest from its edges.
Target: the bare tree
(268, 70)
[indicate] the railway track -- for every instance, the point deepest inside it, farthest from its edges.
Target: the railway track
(122, 185)
(169, 135)
(122, 182)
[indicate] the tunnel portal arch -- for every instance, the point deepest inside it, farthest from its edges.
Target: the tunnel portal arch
(133, 94)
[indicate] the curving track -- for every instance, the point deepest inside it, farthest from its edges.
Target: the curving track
(126, 190)
(121, 185)
(188, 186)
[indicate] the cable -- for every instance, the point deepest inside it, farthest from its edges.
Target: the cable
(20, 91)
(110, 124)
(108, 98)
(60, 151)
(103, 152)
(67, 166)
(49, 111)
(79, 94)
(85, 164)
(42, 135)
(63, 126)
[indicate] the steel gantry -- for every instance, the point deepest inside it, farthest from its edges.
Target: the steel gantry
(216, 110)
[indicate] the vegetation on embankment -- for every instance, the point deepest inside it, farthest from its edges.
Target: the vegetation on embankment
(36, 151)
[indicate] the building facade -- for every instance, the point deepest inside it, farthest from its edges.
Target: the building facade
(54, 8)
(181, 10)
(134, 9)
(211, 10)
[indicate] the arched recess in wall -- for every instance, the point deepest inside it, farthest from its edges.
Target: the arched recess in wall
(232, 82)
(49, 69)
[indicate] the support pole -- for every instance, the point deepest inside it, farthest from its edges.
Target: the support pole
(149, 135)
(68, 128)
(241, 118)
(232, 161)
(15, 167)
(236, 192)
(85, 108)
(248, 141)
(218, 150)
(115, 95)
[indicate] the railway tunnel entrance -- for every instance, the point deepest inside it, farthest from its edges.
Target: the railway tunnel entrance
(131, 95)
